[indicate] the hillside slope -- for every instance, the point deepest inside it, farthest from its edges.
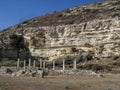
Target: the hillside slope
(94, 27)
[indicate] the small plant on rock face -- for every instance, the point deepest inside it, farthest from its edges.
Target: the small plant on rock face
(69, 59)
(25, 22)
(88, 45)
(73, 49)
(101, 48)
(116, 3)
(114, 57)
(87, 10)
(89, 55)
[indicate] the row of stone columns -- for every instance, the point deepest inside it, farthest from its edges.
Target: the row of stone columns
(74, 64)
(40, 63)
(24, 65)
(18, 63)
(29, 64)
(43, 64)
(63, 66)
(53, 65)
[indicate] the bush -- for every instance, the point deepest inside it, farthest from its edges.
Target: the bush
(116, 3)
(80, 58)
(68, 60)
(88, 45)
(59, 62)
(7, 62)
(116, 64)
(73, 49)
(96, 67)
(87, 10)
(114, 57)
(89, 56)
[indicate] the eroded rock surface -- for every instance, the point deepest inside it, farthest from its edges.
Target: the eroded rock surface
(90, 27)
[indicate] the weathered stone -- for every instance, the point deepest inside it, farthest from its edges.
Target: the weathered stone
(96, 25)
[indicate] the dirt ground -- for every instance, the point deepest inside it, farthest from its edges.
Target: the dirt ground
(107, 82)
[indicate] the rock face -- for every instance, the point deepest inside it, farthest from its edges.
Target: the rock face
(94, 27)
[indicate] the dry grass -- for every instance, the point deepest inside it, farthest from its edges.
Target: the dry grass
(108, 82)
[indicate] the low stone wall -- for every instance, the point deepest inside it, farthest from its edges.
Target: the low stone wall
(13, 71)
(7, 70)
(17, 72)
(73, 73)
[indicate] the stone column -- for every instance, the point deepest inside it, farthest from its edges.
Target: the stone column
(53, 65)
(29, 66)
(40, 63)
(24, 65)
(44, 64)
(63, 64)
(74, 65)
(34, 63)
(18, 62)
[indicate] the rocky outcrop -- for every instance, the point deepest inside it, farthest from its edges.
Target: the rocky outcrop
(94, 27)
(58, 40)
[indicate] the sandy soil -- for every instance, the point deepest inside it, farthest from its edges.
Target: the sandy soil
(108, 82)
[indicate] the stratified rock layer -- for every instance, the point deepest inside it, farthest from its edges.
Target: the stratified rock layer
(90, 27)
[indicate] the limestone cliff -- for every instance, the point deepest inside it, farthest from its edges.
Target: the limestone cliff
(94, 27)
